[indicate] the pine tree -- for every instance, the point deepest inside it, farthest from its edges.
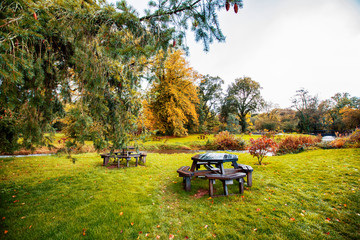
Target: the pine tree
(89, 55)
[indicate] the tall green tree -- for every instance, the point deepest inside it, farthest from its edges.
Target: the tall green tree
(88, 54)
(210, 95)
(243, 97)
(308, 113)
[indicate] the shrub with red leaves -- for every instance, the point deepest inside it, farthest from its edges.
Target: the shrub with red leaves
(295, 144)
(227, 141)
(261, 146)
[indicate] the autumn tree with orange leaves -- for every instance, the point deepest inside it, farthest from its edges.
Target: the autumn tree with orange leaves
(172, 99)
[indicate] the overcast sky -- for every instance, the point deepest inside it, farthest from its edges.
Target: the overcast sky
(285, 45)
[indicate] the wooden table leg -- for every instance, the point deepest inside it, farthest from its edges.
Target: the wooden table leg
(236, 166)
(193, 166)
(136, 163)
(222, 170)
(187, 183)
(249, 179)
(211, 187)
(226, 192)
(241, 185)
(106, 160)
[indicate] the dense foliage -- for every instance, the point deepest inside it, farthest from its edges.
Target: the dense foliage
(226, 141)
(89, 55)
(210, 95)
(173, 97)
(243, 97)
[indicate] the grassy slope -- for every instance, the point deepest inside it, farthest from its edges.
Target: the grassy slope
(312, 195)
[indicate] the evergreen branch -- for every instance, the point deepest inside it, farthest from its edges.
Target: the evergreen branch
(10, 21)
(176, 10)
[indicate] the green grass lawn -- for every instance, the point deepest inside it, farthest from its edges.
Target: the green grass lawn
(311, 195)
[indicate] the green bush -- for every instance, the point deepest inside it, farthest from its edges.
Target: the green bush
(8, 136)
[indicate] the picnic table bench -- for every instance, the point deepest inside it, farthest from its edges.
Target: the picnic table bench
(123, 155)
(226, 179)
(248, 170)
(186, 175)
(213, 162)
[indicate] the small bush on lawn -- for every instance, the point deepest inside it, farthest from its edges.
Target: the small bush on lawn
(338, 143)
(352, 141)
(261, 146)
(296, 144)
(226, 141)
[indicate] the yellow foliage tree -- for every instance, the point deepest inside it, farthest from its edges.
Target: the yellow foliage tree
(350, 117)
(173, 97)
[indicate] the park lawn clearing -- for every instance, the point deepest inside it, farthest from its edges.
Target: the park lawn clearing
(310, 195)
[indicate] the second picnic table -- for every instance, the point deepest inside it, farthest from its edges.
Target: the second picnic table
(126, 153)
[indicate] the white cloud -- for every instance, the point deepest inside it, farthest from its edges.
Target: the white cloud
(286, 45)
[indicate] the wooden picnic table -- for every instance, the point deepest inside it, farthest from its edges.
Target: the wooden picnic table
(217, 159)
(214, 163)
(126, 153)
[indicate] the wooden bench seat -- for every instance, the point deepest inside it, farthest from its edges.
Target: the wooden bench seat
(106, 157)
(185, 173)
(143, 157)
(128, 157)
(248, 170)
(226, 179)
